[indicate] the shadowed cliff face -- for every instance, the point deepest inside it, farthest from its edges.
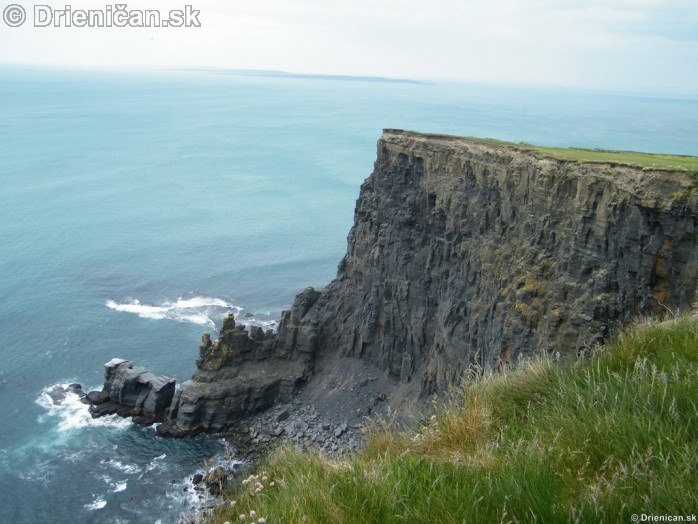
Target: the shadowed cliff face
(464, 253)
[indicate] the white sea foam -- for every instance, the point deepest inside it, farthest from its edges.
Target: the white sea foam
(120, 486)
(154, 463)
(73, 414)
(204, 311)
(193, 499)
(201, 302)
(97, 503)
(40, 472)
(129, 469)
(189, 498)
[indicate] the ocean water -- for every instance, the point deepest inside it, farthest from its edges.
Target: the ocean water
(138, 208)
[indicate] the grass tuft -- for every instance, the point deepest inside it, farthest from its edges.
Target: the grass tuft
(593, 440)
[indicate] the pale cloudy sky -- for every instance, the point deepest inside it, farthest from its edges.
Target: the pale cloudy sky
(605, 44)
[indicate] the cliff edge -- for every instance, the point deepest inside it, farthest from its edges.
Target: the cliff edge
(463, 252)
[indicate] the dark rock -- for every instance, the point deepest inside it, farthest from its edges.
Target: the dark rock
(143, 421)
(257, 333)
(283, 415)
(105, 408)
(76, 389)
(124, 411)
(196, 479)
(131, 392)
(167, 430)
(97, 397)
(57, 395)
(237, 375)
(138, 388)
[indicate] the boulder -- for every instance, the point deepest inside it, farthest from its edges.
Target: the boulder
(130, 391)
(57, 395)
(97, 397)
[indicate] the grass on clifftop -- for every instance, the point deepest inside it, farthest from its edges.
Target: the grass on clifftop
(629, 158)
(683, 163)
(592, 440)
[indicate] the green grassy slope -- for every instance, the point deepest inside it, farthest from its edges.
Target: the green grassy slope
(591, 440)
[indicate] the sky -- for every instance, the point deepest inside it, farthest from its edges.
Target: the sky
(628, 45)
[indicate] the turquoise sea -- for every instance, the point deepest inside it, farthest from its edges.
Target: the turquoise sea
(138, 208)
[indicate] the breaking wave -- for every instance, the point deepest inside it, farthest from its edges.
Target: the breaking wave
(97, 503)
(204, 311)
(72, 414)
(192, 498)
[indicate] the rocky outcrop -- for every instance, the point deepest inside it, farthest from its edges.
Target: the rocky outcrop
(238, 375)
(463, 253)
(133, 392)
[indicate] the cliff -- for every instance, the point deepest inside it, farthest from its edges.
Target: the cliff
(465, 252)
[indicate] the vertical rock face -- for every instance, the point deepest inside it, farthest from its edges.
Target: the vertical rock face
(462, 253)
(467, 253)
